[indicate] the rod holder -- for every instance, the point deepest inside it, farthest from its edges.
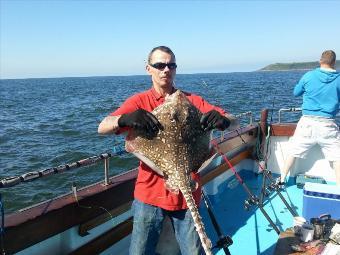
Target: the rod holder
(106, 171)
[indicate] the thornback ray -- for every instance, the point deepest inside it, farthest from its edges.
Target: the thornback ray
(177, 150)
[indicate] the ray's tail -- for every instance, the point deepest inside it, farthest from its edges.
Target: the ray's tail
(199, 226)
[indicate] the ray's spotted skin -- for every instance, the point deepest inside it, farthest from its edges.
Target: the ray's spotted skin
(181, 147)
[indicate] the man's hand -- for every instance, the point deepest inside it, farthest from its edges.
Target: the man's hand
(140, 120)
(214, 119)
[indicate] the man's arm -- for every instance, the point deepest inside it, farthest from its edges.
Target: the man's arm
(220, 120)
(234, 122)
(205, 107)
(109, 125)
(299, 88)
(140, 119)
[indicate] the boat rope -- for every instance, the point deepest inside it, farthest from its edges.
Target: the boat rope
(266, 147)
(31, 176)
(2, 227)
(262, 152)
(258, 145)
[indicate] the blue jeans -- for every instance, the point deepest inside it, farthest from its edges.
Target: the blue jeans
(147, 226)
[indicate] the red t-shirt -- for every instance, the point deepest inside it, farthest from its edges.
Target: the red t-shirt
(150, 187)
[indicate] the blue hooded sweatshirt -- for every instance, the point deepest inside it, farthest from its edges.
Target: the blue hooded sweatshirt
(321, 93)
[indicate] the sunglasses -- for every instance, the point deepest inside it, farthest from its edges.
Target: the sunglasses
(161, 66)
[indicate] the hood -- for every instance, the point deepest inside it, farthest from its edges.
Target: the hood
(326, 76)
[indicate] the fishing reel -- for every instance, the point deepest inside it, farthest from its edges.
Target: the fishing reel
(266, 191)
(223, 242)
(273, 186)
(250, 202)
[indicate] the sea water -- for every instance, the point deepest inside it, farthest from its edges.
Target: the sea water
(49, 122)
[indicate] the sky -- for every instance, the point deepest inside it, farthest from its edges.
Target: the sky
(45, 38)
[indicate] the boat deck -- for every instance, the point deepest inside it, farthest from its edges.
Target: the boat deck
(250, 230)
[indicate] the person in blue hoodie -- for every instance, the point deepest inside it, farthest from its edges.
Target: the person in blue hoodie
(320, 89)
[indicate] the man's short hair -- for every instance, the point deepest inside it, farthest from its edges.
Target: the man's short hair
(328, 57)
(161, 48)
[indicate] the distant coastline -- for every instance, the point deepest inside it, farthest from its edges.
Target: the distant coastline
(293, 66)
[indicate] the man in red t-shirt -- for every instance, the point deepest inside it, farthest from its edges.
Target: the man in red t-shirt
(152, 200)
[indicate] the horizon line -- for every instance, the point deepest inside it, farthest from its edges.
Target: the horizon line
(96, 76)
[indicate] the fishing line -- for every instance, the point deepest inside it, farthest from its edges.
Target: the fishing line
(258, 154)
(2, 227)
(226, 160)
(75, 194)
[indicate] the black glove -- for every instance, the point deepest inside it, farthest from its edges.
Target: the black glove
(214, 119)
(141, 120)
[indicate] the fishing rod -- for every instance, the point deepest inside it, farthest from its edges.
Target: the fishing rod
(273, 186)
(2, 227)
(267, 173)
(253, 199)
(224, 241)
